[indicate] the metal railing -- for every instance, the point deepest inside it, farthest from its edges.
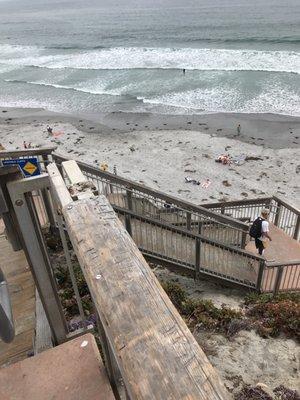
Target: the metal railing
(7, 329)
(281, 277)
(152, 203)
(283, 215)
(43, 154)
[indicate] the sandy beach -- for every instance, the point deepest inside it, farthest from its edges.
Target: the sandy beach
(162, 157)
(161, 151)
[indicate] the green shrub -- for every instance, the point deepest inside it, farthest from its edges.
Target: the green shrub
(277, 317)
(203, 313)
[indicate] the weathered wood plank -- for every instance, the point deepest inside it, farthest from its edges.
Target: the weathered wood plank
(22, 294)
(73, 172)
(59, 190)
(157, 354)
(43, 336)
(71, 371)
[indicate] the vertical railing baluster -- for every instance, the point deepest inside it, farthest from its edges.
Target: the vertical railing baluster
(278, 280)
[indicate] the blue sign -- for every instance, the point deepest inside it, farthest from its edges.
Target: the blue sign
(29, 166)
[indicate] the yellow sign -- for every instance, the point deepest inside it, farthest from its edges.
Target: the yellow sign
(30, 168)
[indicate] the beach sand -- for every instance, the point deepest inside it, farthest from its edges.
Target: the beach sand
(160, 151)
(179, 146)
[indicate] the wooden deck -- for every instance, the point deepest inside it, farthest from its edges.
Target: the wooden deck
(71, 371)
(282, 248)
(22, 291)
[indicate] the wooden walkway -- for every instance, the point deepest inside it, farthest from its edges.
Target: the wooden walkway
(71, 371)
(22, 291)
(283, 248)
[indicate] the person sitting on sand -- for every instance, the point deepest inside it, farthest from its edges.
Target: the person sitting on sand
(104, 166)
(206, 183)
(224, 159)
(49, 129)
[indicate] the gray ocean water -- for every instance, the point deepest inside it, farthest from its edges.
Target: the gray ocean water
(101, 56)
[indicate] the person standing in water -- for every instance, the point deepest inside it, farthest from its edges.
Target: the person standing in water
(238, 129)
(183, 71)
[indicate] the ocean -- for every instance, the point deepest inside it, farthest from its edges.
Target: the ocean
(85, 56)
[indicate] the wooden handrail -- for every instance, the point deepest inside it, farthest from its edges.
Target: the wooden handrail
(258, 201)
(286, 205)
(155, 193)
(187, 233)
(282, 264)
(156, 353)
(40, 151)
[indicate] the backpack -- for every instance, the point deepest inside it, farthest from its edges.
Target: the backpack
(255, 230)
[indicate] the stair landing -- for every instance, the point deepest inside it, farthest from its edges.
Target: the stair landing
(283, 248)
(71, 371)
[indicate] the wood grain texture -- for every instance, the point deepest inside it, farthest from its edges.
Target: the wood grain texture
(59, 191)
(71, 371)
(22, 293)
(157, 354)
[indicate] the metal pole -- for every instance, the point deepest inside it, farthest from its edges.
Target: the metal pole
(7, 212)
(70, 266)
(39, 262)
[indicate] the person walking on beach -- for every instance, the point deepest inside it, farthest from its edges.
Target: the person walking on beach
(238, 129)
(260, 231)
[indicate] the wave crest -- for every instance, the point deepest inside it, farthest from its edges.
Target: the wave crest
(168, 58)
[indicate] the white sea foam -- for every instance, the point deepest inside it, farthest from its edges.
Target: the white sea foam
(276, 100)
(86, 87)
(167, 58)
(11, 51)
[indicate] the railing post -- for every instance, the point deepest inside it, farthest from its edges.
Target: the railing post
(297, 228)
(198, 257)
(48, 208)
(200, 223)
(38, 259)
(129, 199)
(262, 266)
(277, 215)
(128, 224)
(7, 212)
(188, 220)
(244, 237)
(278, 280)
